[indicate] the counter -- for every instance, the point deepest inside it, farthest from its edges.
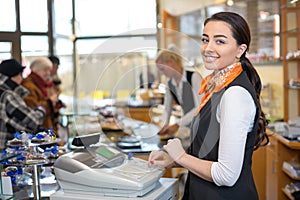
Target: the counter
(270, 177)
(166, 189)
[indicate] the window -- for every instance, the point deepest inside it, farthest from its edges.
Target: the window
(93, 23)
(63, 17)
(7, 15)
(34, 46)
(5, 50)
(114, 17)
(34, 15)
(111, 34)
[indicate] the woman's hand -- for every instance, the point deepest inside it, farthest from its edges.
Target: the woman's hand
(53, 98)
(160, 158)
(174, 149)
(169, 130)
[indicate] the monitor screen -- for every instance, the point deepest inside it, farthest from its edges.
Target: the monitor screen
(105, 153)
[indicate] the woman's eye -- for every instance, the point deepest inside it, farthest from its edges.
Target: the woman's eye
(204, 40)
(220, 42)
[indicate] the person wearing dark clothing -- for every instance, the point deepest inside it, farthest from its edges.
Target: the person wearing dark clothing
(15, 114)
(41, 90)
(56, 80)
(150, 79)
(182, 88)
(54, 76)
(229, 123)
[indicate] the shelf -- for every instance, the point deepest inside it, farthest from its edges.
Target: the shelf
(292, 59)
(290, 37)
(6, 197)
(290, 174)
(292, 87)
(267, 62)
(290, 144)
(287, 193)
(292, 4)
(294, 30)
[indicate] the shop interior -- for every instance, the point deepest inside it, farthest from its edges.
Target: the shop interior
(106, 54)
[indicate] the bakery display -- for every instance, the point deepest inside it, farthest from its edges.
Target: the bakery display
(32, 148)
(111, 123)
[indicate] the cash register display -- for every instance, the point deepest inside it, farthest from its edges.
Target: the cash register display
(99, 157)
(105, 153)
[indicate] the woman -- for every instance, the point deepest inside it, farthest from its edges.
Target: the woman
(41, 89)
(229, 123)
(182, 87)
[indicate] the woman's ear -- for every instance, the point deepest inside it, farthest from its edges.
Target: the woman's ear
(242, 49)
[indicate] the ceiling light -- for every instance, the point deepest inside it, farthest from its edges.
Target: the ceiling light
(230, 2)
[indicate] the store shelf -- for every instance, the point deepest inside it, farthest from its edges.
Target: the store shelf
(290, 40)
(287, 193)
(290, 174)
(294, 30)
(268, 62)
(292, 87)
(287, 151)
(292, 4)
(290, 144)
(292, 59)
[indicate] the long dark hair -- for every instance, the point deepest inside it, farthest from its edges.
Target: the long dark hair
(241, 32)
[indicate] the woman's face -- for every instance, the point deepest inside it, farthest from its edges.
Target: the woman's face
(44, 73)
(219, 49)
(168, 68)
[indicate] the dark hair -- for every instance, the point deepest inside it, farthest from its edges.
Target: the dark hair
(54, 59)
(241, 33)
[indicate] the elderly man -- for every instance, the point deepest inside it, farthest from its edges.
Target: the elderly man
(42, 90)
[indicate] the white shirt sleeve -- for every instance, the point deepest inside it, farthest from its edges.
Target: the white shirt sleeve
(187, 118)
(168, 103)
(235, 113)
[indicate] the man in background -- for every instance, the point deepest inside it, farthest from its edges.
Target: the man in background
(15, 115)
(54, 76)
(56, 81)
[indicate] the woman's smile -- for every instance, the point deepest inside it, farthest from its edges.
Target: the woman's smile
(210, 59)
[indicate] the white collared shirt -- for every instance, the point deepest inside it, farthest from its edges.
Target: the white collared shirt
(235, 113)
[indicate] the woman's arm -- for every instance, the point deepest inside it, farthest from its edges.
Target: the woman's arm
(236, 113)
(168, 104)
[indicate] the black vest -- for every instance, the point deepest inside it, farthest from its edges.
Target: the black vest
(187, 93)
(205, 131)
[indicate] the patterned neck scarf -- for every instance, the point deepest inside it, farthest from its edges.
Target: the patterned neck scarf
(42, 84)
(216, 81)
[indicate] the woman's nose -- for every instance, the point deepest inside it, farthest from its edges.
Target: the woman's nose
(208, 47)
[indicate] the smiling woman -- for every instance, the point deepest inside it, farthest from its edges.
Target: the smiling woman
(229, 123)
(219, 48)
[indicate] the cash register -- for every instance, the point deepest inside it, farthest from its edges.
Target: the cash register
(101, 170)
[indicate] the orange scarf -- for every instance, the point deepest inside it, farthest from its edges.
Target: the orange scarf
(215, 82)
